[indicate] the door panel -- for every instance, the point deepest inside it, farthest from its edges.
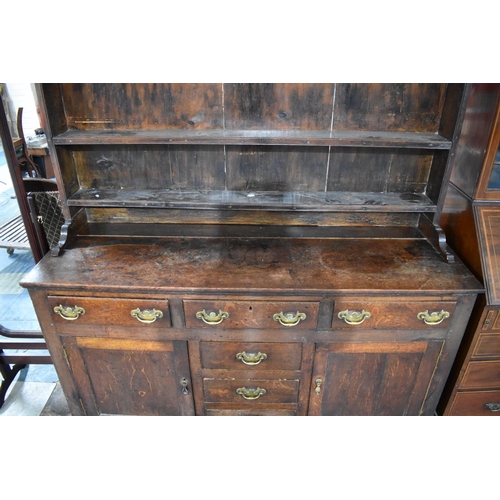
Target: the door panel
(373, 378)
(129, 377)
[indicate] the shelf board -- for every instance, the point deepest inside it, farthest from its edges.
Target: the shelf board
(352, 138)
(147, 231)
(237, 200)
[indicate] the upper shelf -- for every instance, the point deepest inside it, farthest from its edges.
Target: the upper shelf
(352, 138)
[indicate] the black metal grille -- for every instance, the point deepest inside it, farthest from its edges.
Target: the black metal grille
(49, 207)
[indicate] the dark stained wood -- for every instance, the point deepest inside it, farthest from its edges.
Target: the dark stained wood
(378, 170)
(117, 376)
(488, 217)
(276, 169)
(489, 171)
(110, 311)
(368, 379)
(253, 199)
(473, 227)
(457, 221)
(249, 412)
(391, 314)
(275, 106)
(116, 216)
(277, 391)
(49, 100)
(391, 107)
(479, 118)
(254, 313)
(222, 355)
(65, 375)
(250, 265)
(350, 138)
(436, 173)
(161, 229)
(481, 375)
(142, 106)
(14, 170)
(448, 125)
(474, 404)
(334, 201)
(487, 345)
(137, 167)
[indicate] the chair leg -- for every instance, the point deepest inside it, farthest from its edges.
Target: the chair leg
(8, 375)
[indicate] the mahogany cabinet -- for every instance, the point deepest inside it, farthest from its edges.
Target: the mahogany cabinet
(253, 249)
(471, 219)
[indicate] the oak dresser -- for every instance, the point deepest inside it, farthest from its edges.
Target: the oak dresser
(253, 249)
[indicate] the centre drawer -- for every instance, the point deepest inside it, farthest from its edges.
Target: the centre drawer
(251, 355)
(251, 314)
(107, 311)
(390, 314)
(251, 391)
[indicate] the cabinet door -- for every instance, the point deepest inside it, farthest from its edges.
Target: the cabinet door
(372, 378)
(130, 377)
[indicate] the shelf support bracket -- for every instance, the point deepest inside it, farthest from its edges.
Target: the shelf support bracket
(435, 235)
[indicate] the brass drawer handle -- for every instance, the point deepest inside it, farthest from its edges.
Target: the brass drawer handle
(289, 319)
(146, 315)
(249, 393)
(434, 318)
(212, 318)
(354, 317)
(69, 313)
(250, 358)
(492, 406)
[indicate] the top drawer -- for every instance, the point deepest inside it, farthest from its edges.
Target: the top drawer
(390, 314)
(102, 311)
(251, 314)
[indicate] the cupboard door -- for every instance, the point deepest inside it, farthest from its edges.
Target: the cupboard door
(130, 377)
(372, 378)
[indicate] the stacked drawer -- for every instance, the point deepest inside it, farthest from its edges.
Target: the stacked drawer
(479, 385)
(252, 378)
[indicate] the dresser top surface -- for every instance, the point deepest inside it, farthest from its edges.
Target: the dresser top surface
(267, 265)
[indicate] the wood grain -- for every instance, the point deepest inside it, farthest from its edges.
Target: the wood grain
(391, 107)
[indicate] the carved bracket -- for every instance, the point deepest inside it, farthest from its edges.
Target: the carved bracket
(435, 235)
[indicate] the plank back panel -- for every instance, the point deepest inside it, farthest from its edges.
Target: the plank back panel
(151, 167)
(407, 107)
(378, 170)
(254, 168)
(122, 106)
(278, 106)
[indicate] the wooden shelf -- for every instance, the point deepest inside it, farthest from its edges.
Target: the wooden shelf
(352, 138)
(237, 200)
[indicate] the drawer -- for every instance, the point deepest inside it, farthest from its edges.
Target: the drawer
(487, 345)
(481, 375)
(251, 355)
(103, 311)
(246, 391)
(392, 314)
(250, 413)
(251, 314)
(484, 403)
